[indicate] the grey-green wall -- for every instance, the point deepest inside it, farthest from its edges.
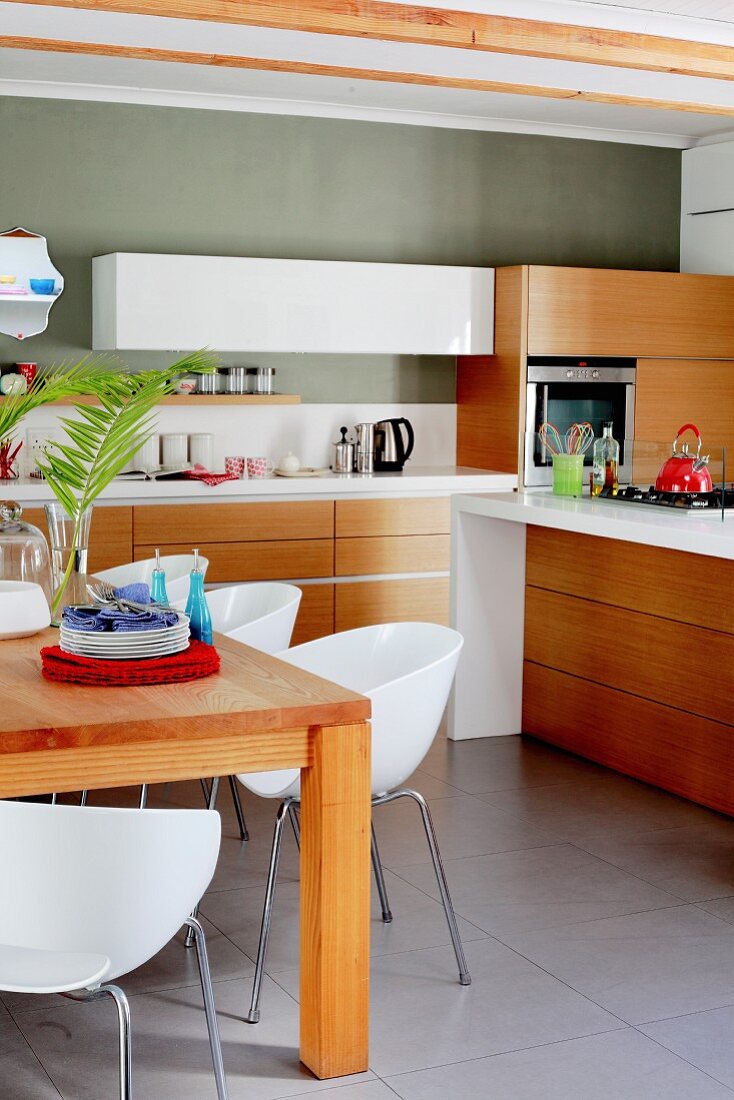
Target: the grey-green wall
(98, 178)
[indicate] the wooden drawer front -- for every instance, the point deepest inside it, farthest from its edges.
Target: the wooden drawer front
(257, 561)
(308, 519)
(315, 613)
(590, 311)
(640, 578)
(393, 554)
(683, 753)
(364, 603)
(682, 666)
(371, 518)
(110, 539)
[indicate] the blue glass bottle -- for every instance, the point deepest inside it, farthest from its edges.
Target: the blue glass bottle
(197, 608)
(158, 592)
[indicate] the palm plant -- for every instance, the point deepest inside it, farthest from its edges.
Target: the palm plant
(104, 438)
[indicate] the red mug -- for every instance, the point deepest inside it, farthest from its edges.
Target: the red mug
(28, 370)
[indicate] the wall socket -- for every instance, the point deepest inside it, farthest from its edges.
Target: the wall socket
(35, 441)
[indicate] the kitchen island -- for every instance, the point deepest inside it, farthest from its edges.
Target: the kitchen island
(602, 627)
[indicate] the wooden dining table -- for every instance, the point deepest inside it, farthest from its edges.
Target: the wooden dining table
(257, 713)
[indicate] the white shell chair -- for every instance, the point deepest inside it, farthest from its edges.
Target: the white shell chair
(94, 893)
(176, 566)
(407, 670)
(261, 615)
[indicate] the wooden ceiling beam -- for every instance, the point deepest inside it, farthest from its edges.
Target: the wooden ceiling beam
(306, 68)
(374, 19)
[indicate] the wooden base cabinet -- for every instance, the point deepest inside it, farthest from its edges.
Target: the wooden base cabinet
(629, 660)
(319, 541)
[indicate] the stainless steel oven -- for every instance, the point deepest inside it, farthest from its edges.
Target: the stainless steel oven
(563, 390)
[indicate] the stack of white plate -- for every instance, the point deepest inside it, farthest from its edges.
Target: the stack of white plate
(127, 645)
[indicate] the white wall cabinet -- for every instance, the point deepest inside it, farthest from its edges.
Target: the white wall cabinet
(707, 210)
(229, 303)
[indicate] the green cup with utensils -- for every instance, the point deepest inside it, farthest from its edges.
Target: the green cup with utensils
(568, 475)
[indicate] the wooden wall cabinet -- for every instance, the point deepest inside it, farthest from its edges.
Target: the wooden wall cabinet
(676, 325)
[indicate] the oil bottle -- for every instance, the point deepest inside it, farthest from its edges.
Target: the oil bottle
(605, 468)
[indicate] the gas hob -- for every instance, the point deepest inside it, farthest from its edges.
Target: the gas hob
(720, 498)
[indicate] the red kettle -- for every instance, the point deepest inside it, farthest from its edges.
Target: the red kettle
(684, 472)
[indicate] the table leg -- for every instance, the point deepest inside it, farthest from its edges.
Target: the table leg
(335, 901)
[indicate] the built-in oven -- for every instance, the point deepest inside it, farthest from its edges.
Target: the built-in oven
(565, 390)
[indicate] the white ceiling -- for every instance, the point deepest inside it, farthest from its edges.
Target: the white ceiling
(695, 9)
(78, 76)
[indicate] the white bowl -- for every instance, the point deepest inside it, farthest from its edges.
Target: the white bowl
(24, 609)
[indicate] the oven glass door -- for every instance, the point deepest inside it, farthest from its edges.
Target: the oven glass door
(567, 403)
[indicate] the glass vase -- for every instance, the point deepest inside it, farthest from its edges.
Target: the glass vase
(69, 547)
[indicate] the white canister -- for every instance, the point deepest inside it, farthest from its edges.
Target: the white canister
(175, 449)
(201, 449)
(148, 457)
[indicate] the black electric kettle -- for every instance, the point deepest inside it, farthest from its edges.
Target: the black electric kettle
(391, 451)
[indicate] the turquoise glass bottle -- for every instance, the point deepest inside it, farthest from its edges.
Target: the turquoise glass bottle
(197, 608)
(158, 592)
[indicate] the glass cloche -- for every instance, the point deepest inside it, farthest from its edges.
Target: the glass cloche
(24, 553)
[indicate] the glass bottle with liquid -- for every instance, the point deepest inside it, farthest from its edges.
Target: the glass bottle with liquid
(605, 468)
(196, 606)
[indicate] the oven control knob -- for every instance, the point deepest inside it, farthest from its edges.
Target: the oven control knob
(595, 374)
(569, 374)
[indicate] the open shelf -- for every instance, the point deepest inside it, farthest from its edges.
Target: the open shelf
(180, 400)
(28, 297)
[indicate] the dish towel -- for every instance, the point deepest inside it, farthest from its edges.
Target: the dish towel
(194, 663)
(200, 473)
(88, 619)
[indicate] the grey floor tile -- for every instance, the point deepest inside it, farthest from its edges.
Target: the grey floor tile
(22, 1077)
(609, 806)
(539, 888)
(703, 1038)
(418, 921)
(465, 826)
(430, 787)
(642, 967)
(693, 862)
(504, 763)
(623, 1065)
(369, 1090)
(172, 967)
(171, 1057)
(421, 1017)
(720, 907)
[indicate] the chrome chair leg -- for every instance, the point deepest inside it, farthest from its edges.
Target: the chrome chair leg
(212, 1024)
(54, 798)
(406, 792)
(205, 789)
(253, 1015)
(83, 797)
(295, 822)
(124, 1034)
(211, 801)
(380, 880)
(143, 796)
(244, 835)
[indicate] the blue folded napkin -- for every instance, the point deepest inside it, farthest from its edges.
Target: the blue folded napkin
(94, 620)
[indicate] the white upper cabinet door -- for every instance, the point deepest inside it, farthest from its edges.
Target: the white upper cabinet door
(155, 302)
(707, 178)
(707, 243)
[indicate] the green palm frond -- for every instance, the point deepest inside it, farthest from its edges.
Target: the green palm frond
(103, 439)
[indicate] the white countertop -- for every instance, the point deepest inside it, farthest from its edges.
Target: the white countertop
(415, 481)
(694, 533)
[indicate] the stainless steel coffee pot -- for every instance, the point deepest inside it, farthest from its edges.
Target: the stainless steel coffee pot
(365, 448)
(343, 454)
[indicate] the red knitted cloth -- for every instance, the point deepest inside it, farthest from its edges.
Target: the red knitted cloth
(197, 661)
(199, 473)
